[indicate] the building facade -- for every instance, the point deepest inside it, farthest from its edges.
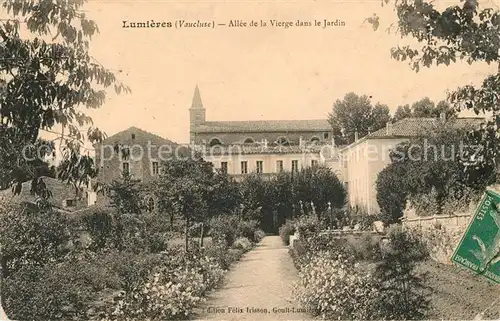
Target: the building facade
(264, 147)
(136, 152)
(364, 159)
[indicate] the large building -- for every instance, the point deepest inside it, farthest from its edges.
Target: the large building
(364, 159)
(266, 147)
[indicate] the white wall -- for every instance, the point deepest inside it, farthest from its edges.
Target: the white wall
(362, 162)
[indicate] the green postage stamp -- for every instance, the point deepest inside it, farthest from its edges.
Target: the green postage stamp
(479, 248)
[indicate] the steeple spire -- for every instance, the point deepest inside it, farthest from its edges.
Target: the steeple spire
(197, 104)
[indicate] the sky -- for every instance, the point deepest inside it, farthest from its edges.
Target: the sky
(254, 73)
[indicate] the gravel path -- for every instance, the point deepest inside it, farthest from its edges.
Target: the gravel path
(258, 287)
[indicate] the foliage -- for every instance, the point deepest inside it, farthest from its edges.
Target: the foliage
(286, 230)
(44, 83)
(464, 32)
(258, 235)
(243, 244)
(335, 289)
(125, 194)
(430, 171)
(224, 229)
(356, 114)
(191, 189)
(308, 225)
(425, 108)
(439, 240)
(247, 229)
(391, 192)
(31, 237)
(402, 291)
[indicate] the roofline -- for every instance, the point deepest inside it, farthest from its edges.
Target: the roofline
(260, 131)
(367, 137)
(136, 128)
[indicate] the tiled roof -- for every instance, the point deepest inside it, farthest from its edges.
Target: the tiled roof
(60, 192)
(158, 138)
(412, 127)
(264, 126)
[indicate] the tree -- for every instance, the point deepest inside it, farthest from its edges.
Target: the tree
(437, 164)
(402, 112)
(320, 186)
(45, 79)
(392, 192)
(424, 108)
(402, 290)
(464, 32)
(186, 187)
(356, 114)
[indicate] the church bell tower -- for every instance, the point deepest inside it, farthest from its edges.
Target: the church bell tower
(197, 114)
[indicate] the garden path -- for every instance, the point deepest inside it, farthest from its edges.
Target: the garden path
(262, 279)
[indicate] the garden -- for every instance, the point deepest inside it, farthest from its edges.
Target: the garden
(123, 261)
(375, 276)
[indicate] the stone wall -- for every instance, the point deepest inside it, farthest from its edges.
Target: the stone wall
(441, 233)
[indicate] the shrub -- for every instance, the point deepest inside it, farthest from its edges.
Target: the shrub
(402, 292)
(259, 235)
(286, 230)
(243, 243)
(33, 237)
(335, 289)
(224, 228)
(247, 228)
(308, 225)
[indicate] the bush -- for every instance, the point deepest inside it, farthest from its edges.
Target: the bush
(402, 292)
(246, 229)
(335, 289)
(258, 235)
(243, 243)
(308, 225)
(223, 228)
(286, 230)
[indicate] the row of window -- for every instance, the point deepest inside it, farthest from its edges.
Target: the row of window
(281, 140)
(155, 167)
(259, 165)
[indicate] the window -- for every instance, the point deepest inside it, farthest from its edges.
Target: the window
(215, 142)
(295, 166)
(279, 166)
(223, 167)
(314, 162)
(70, 203)
(315, 140)
(133, 136)
(260, 167)
(126, 167)
(326, 135)
(155, 168)
(282, 141)
(249, 140)
(244, 167)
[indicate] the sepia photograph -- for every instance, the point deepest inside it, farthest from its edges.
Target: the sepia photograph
(249, 160)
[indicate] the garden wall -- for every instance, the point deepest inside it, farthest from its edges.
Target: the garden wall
(441, 233)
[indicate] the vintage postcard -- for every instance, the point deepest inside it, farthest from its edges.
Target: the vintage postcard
(249, 160)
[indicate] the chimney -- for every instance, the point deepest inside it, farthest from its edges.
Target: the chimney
(388, 128)
(356, 136)
(442, 116)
